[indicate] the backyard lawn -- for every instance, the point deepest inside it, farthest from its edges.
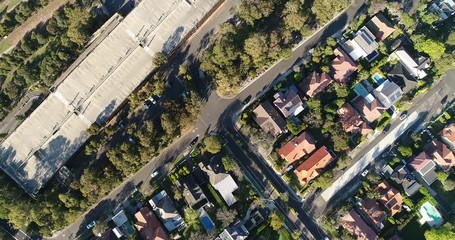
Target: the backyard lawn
(413, 230)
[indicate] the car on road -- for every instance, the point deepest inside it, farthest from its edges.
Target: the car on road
(386, 128)
(403, 115)
(154, 174)
(194, 141)
(152, 100)
(365, 173)
(90, 225)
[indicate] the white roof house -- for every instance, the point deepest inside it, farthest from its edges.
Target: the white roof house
(444, 8)
(222, 182)
(362, 45)
(162, 205)
(388, 93)
(94, 87)
(416, 70)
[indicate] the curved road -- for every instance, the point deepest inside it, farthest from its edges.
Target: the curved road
(217, 111)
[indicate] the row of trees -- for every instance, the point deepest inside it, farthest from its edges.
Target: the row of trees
(42, 55)
(18, 15)
(266, 33)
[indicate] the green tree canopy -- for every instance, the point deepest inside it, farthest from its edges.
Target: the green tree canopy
(252, 10)
(451, 39)
(405, 151)
(213, 144)
(294, 17)
(276, 222)
(441, 233)
(430, 18)
(433, 48)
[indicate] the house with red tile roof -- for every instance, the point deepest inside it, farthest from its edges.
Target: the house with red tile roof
(390, 197)
(380, 27)
(442, 155)
(355, 225)
(315, 83)
(298, 147)
(268, 118)
(351, 121)
(370, 210)
(312, 167)
(448, 135)
(148, 226)
(369, 107)
(425, 167)
(342, 66)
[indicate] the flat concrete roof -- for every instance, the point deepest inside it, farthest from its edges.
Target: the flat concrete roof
(93, 90)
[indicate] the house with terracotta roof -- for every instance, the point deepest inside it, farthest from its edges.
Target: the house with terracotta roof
(390, 197)
(313, 166)
(380, 27)
(355, 225)
(442, 155)
(448, 135)
(289, 102)
(148, 225)
(370, 210)
(370, 108)
(315, 83)
(425, 167)
(342, 66)
(298, 147)
(351, 120)
(268, 118)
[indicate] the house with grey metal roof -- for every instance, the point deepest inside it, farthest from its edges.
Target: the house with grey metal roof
(388, 93)
(363, 45)
(425, 167)
(403, 177)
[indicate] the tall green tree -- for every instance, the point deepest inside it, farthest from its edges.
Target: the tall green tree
(441, 233)
(252, 10)
(433, 48)
(213, 144)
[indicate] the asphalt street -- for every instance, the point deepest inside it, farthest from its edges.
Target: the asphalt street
(194, 46)
(427, 106)
(216, 112)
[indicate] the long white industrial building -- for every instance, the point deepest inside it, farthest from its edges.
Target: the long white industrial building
(93, 90)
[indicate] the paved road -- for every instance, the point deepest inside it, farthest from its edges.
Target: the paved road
(119, 194)
(216, 111)
(425, 107)
(265, 176)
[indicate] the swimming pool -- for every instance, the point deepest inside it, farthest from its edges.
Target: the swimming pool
(378, 79)
(207, 223)
(430, 215)
(360, 90)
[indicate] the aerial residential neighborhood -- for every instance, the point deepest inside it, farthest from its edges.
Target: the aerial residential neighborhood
(227, 119)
